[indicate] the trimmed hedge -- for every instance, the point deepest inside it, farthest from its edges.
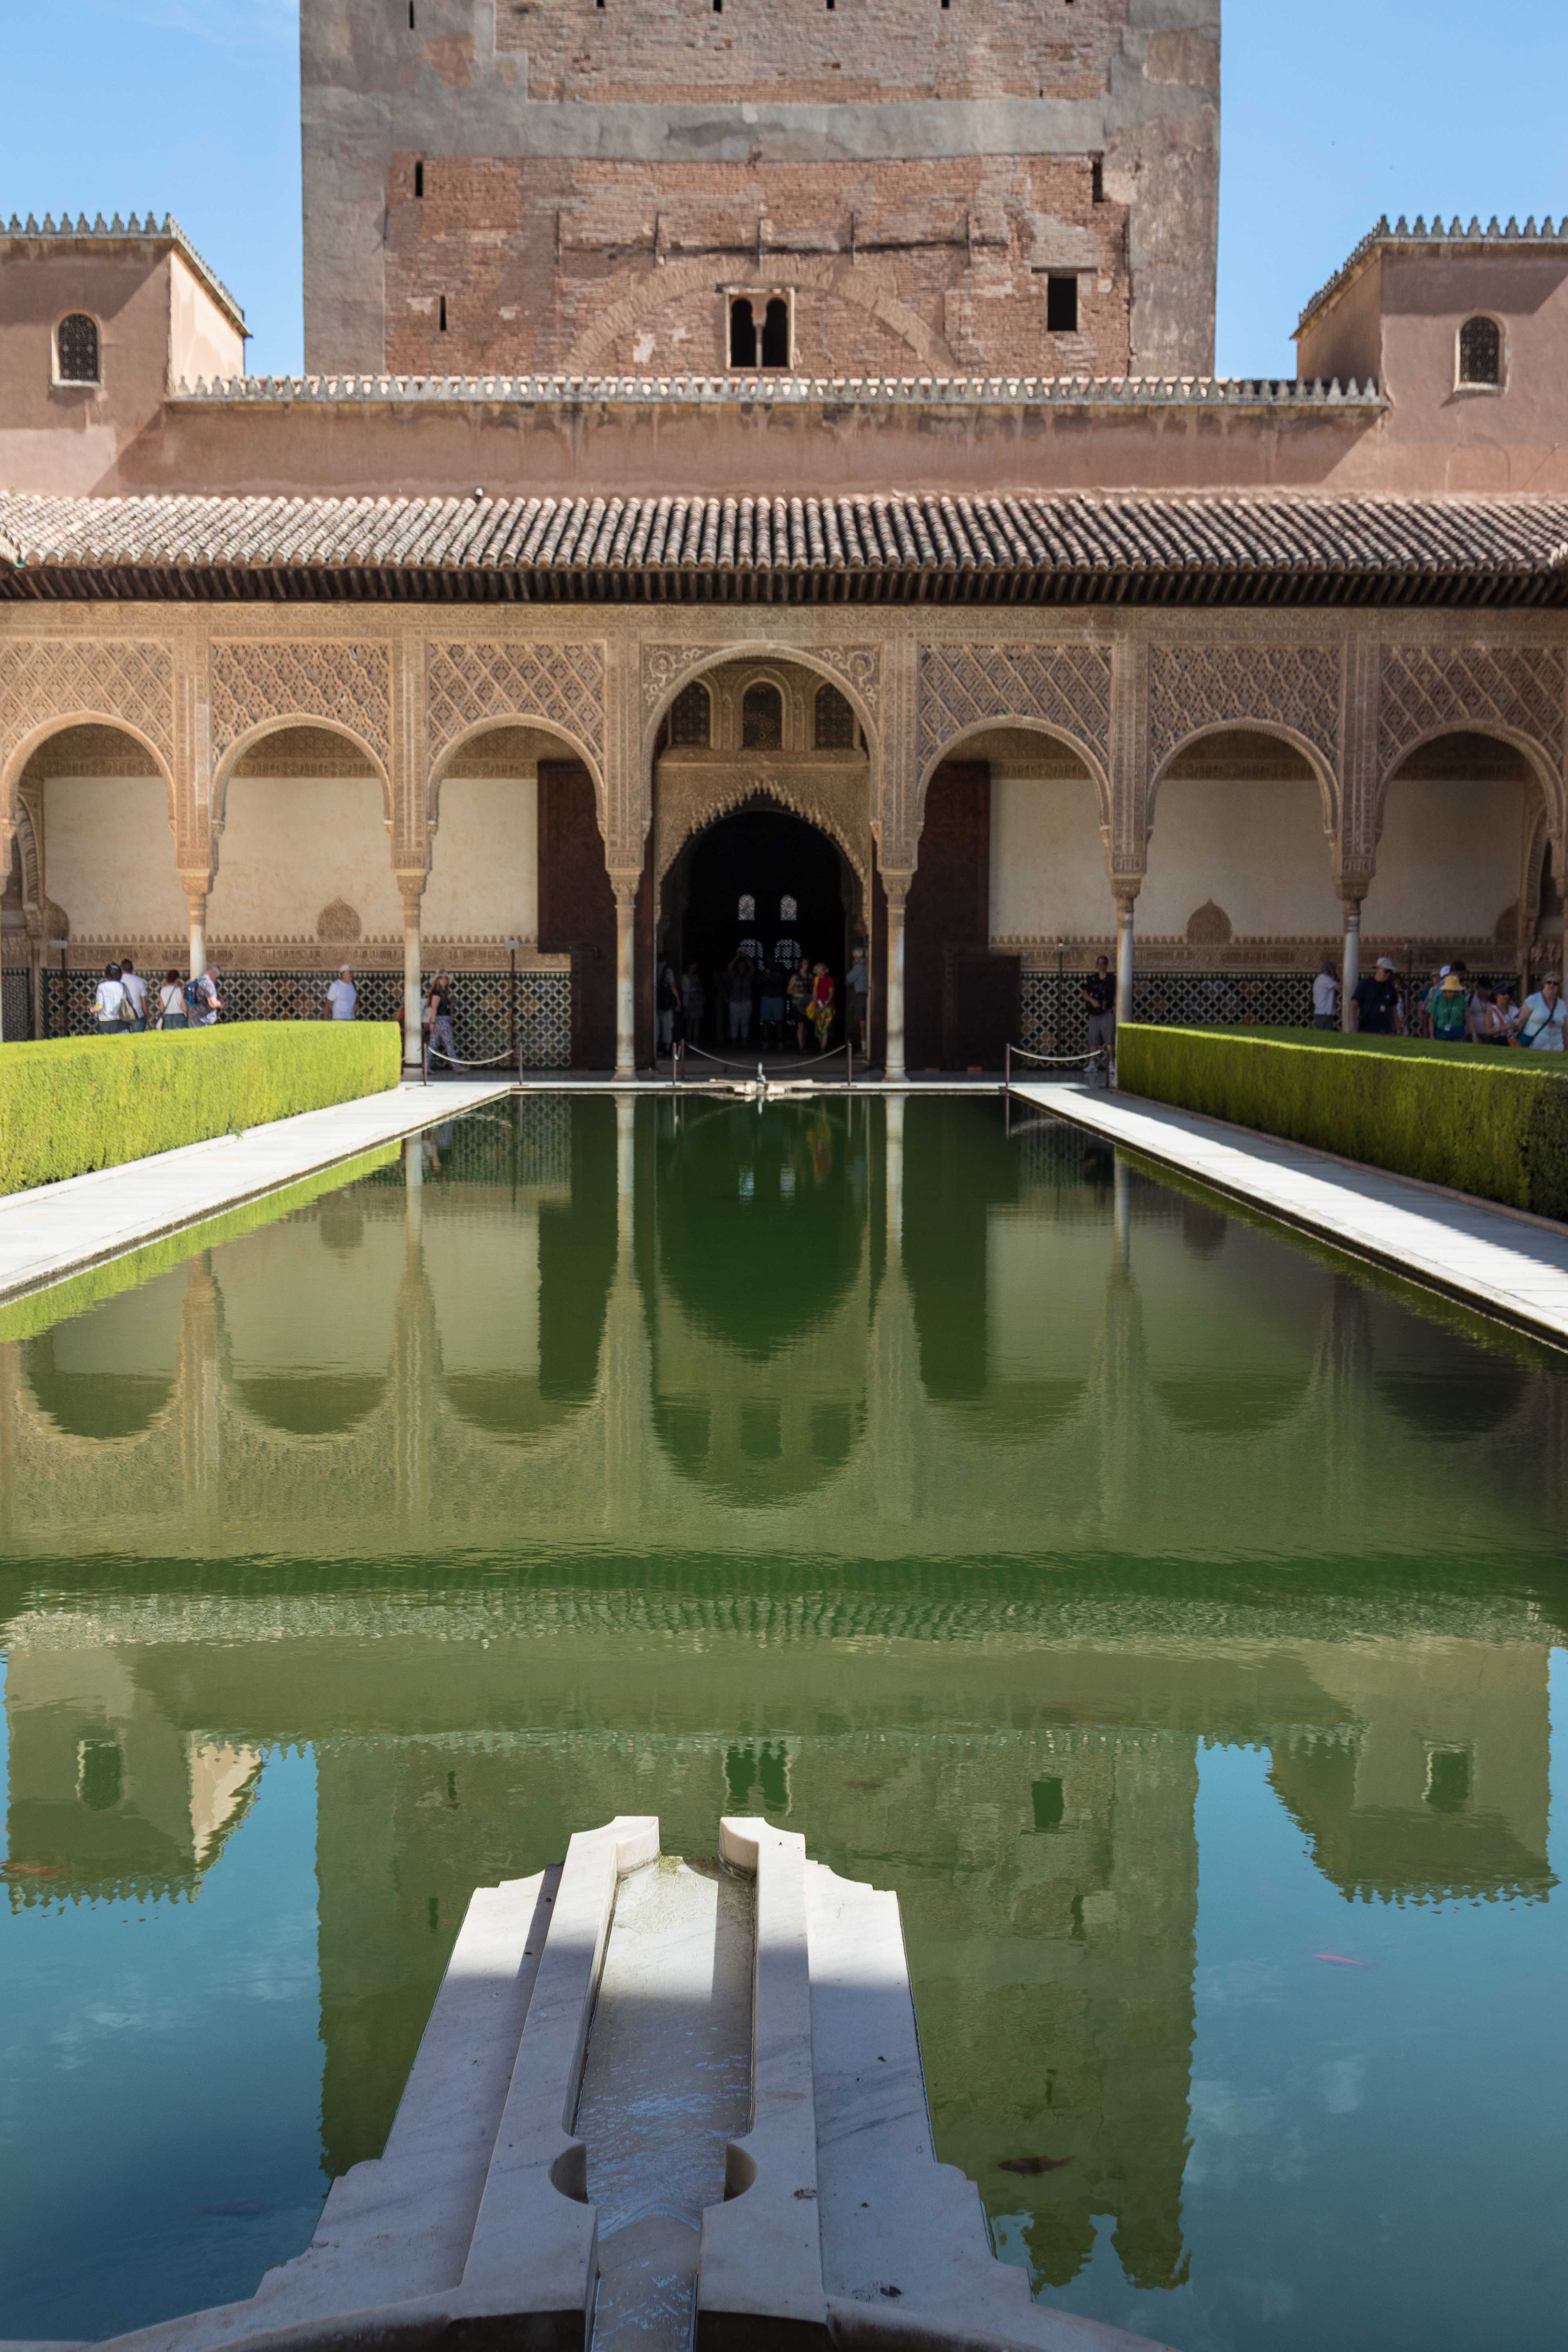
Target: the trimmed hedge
(70, 1104)
(1477, 1117)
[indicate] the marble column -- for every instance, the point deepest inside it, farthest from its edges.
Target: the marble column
(412, 887)
(894, 1148)
(1124, 958)
(1351, 971)
(197, 901)
(626, 978)
(897, 889)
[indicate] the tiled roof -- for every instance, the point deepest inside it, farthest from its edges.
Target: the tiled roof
(166, 231)
(1133, 547)
(1404, 233)
(788, 391)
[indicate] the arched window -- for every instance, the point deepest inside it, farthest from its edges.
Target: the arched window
(76, 345)
(753, 948)
(742, 333)
(691, 717)
(747, 911)
(1481, 351)
(775, 334)
(787, 952)
(789, 911)
(761, 718)
(835, 721)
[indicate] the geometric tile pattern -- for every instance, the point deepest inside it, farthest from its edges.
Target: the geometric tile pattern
(1207, 685)
(563, 685)
(966, 686)
(334, 678)
(1423, 688)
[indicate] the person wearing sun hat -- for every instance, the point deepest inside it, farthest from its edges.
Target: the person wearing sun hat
(1375, 1004)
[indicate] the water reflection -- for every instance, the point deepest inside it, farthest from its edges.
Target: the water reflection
(941, 1489)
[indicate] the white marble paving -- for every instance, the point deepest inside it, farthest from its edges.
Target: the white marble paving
(56, 1230)
(1497, 1259)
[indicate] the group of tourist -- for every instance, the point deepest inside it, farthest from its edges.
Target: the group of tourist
(1450, 1009)
(123, 1008)
(788, 1004)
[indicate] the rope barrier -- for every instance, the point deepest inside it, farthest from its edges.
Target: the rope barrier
(455, 1062)
(1057, 1061)
(814, 1062)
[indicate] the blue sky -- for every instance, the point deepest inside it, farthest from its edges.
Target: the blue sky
(1335, 111)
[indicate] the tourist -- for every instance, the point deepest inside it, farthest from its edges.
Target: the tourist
(1375, 1006)
(1544, 1016)
(440, 1031)
(202, 1003)
(1488, 1025)
(1326, 996)
(798, 997)
(112, 1006)
(1099, 995)
(1450, 1010)
(693, 1001)
(822, 1006)
(858, 986)
(342, 996)
(668, 1006)
(739, 983)
(770, 1010)
(135, 988)
(171, 1013)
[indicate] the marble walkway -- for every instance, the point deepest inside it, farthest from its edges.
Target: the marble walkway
(56, 1230)
(1502, 1261)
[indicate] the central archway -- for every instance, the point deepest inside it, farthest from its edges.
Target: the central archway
(765, 881)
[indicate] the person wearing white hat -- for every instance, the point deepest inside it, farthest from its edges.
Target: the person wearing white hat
(1375, 1007)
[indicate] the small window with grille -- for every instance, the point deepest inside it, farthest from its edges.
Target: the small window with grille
(76, 345)
(692, 718)
(761, 718)
(835, 721)
(789, 911)
(753, 948)
(787, 952)
(747, 911)
(1481, 352)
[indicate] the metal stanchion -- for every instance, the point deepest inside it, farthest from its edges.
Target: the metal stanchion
(1007, 1063)
(848, 1064)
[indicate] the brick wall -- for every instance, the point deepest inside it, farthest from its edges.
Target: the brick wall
(896, 267)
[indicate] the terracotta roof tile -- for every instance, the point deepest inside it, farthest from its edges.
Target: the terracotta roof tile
(1056, 547)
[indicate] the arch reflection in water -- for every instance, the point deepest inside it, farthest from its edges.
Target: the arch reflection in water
(946, 1492)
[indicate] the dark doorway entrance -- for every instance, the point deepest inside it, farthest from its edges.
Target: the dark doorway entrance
(762, 880)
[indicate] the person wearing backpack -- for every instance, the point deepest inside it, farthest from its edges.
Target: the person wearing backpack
(202, 1003)
(112, 1006)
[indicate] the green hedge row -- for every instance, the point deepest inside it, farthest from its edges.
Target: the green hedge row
(1477, 1118)
(70, 1104)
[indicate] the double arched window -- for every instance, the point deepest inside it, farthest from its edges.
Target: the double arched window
(1481, 352)
(763, 343)
(75, 349)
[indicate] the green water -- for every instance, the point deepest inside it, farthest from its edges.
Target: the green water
(1166, 1611)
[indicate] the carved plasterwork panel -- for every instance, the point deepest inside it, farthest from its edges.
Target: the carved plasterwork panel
(689, 797)
(334, 678)
(131, 679)
(467, 682)
(965, 686)
(663, 666)
(1193, 687)
(860, 668)
(1423, 688)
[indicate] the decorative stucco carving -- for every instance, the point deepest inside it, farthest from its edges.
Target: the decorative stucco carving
(1066, 687)
(689, 798)
(130, 679)
(339, 679)
(1193, 687)
(664, 664)
(1423, 688)
(562, 685)
(338, 920)
(1209, 926)
(860, 668)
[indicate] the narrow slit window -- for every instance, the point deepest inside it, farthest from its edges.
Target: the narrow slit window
(1061, 306)
(443, 320)
(411, 14)
(419, 179)
(1096, 180)
(76, 346)
(742, 333)
(1481, 351)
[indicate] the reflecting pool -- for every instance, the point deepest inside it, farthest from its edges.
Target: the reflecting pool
(1166, 1610)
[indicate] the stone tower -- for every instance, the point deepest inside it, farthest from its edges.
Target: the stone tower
(827, 187)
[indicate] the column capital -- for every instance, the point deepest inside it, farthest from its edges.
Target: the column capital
(411, 890)
(896, 884)
(625, 885)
